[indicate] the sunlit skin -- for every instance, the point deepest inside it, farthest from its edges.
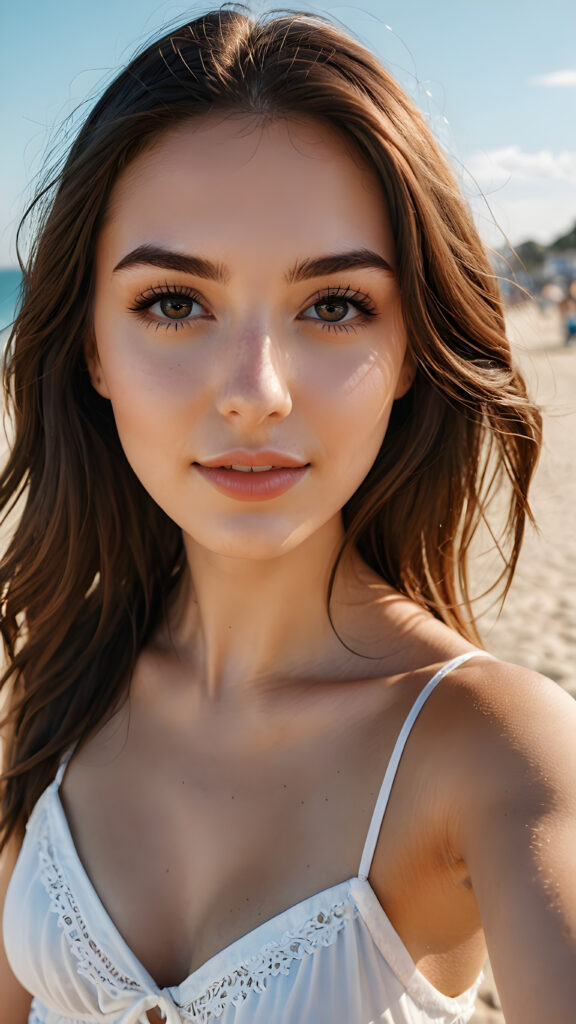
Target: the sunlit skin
(254, 362)
(240, 775)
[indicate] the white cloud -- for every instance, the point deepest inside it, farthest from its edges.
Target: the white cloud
(511, 163)
(566, 79)
(516, 218)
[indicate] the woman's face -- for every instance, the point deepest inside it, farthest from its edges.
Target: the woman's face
(247, 313)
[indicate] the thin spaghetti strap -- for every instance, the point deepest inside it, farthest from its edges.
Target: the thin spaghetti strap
(63, 765)
(386, 788)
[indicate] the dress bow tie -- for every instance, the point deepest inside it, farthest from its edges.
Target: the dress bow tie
(161, 1002)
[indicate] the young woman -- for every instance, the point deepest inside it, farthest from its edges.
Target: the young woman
(261, 394)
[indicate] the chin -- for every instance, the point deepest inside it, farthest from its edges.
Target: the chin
(252, 540)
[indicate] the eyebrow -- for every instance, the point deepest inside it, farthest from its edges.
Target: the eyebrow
(354, 259)
(166, 259)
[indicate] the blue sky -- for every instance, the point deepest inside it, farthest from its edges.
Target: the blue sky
(496, 78)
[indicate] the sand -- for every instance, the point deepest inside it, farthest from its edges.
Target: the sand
(537, 626)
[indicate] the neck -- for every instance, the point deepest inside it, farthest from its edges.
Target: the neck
(243, 622)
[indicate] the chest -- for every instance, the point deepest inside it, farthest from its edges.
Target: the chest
(193, 839)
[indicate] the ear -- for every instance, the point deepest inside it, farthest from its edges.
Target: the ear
(95, 368)
(407, 375)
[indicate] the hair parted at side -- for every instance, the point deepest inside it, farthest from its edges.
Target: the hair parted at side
(92, 560)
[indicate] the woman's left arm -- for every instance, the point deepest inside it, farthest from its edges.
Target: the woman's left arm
(517, 835)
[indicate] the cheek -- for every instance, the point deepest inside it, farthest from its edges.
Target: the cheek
(356, 393)
(145, 382)
(155, 399)
(352, 404)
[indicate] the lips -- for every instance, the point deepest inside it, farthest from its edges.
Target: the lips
(242, 459)
(252, 478)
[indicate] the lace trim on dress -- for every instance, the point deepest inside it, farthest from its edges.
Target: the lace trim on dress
(234, 987)
(93, 963)
(275, 958)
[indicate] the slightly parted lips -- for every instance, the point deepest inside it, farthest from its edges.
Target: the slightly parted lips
(253, 469)
(252, 478)
(246, 462)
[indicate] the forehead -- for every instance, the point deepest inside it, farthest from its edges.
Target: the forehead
(229, 181)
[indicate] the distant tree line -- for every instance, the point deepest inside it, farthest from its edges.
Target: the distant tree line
(532, 256)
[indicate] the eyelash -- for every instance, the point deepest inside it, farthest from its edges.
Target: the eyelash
(153, 295)
(362, 302)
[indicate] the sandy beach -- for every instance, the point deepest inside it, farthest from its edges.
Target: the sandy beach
(537, 626)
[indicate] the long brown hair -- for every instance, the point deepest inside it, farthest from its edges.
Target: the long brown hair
(85, 578)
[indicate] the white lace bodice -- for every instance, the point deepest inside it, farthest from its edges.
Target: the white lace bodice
(333, 958)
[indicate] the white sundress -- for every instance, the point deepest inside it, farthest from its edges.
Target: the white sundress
(333, 958)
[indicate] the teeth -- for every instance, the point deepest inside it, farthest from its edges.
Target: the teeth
(251, 469)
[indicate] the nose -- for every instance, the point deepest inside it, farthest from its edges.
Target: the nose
(253, 385)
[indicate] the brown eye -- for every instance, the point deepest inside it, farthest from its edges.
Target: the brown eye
(176, 307)
(333, 309)
(169, 307)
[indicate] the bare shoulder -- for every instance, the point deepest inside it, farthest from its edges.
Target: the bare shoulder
(490, 726)
(509, 768)
(512, 738)
(510, 707)
(488, 723)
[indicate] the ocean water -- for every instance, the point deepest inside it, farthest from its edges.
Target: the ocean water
(10, 278)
